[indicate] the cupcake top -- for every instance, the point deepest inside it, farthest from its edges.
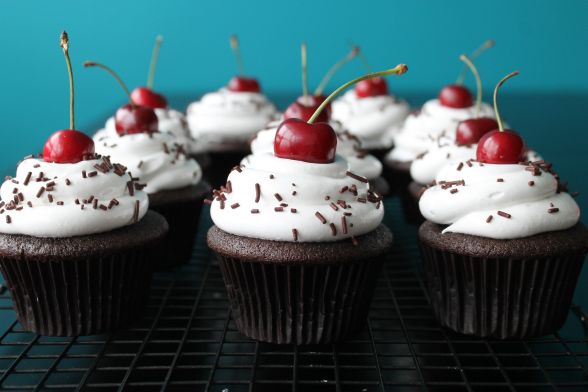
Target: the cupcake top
(425, 167)
(155, 157)
(374, 120)
(423, 128)
(70, 199)
(225, 116)
(501, 201)
(169, 121)
(348, 146)
(289, 200)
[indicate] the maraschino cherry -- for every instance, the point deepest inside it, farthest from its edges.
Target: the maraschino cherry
(456, 95)
(312, 142)
(68, 145)
(304, 107)
(501, 146)
(145, 96)
(240, 83)
(370, 87)
(130, 118)
(471, 130)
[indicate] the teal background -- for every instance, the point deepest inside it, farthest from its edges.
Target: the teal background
(545, 40)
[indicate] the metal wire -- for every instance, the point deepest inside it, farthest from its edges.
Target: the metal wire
(187, 341)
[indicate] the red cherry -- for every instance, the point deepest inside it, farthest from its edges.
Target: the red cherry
(298, 140)
(68, 146)
(456, 96)
(302, 111)
(131, 119)
(144, 96)
(240, 84)
(371, 87)
(470, 131)
(501, 147)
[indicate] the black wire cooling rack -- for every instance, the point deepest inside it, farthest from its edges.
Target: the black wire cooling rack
(188, 342)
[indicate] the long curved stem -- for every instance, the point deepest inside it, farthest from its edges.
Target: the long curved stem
(504, 79)
(237, 52)
(334, 68)
(114, 75)
(398, 70)
(153, 63)
(304, 63)
(481, 49)
(474, 70)
(64, 43)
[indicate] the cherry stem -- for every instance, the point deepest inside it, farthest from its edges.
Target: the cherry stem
(114, 74)
(504, 79)
(237, 52)
(64, 43)
(485, 46)
(474, 70)
(398, 70)
(304, 62)
(153, 63)
(334, 68)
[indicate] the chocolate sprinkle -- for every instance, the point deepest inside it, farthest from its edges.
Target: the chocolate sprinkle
(334, 206)
(59, 203)
(504, 214)
(67, 181)
(320, 217)
(454, 190)
(255, 211)
(83, 173)
(460, 166)
(50, 197)
(294, 193)
(553, 210)
(357, 177)
(499, 180)
(136, 212)
(8, 219)
(257, 193)
(277, 196)
(293, 210)
(279, 209)
(29, 204)
(333, 229)
(236, 205)
(295, 235)
(27, 178)
(271, 176)
(531, 183)
(489, 219)
(92, 174)
(344, 224)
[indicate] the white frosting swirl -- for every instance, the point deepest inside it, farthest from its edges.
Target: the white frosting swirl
(225, 116)
(304, 187)
(492, 188)
(348, 146)
(375, 120)
(169, 121)
(423, 128)
(155, 158)
(425, 167)
(53, 212)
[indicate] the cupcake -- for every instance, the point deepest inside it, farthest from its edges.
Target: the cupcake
(299, 239)
(436, 119)
(172, 180)
(502, 245)
(77, 243)
(224, 121)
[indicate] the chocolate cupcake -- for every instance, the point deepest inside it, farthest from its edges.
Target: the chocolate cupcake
(77, 245)
(172, 180)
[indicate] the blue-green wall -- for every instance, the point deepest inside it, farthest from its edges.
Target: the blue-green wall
(546, 40)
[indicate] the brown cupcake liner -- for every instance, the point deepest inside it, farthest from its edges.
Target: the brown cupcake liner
(501, 297)
(183, 219)
(300, 303)
(79, 296)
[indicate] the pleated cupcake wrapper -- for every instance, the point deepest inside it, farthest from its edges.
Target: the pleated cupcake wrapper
(183, 219)
(501, 298)
(300, 304)
(73, 297)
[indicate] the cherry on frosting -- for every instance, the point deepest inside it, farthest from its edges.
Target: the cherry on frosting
(308, 141)
(304, 112)
(144, 96)
(501, 146)
(68, 145)
(241, 83)
(371, 88)
(471, 130)
(130, 118)
(455, 96)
